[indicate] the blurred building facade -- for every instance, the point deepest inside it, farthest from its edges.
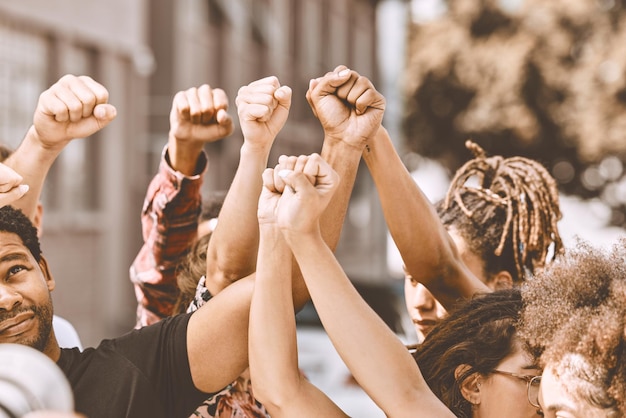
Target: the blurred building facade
(144, 52)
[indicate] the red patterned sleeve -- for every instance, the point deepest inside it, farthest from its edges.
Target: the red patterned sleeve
(169, 220)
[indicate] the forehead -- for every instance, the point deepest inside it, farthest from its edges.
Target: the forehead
(11, 243)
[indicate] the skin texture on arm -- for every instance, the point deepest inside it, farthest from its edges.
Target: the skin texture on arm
(263, 107)
(278, 383)
(350, 111)
(374, 355)
(74, 107)
(170, 213)
(429, 253)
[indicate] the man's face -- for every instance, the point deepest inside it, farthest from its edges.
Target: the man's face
(25, 300)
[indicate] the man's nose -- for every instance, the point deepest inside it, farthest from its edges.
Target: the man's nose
(9, 298)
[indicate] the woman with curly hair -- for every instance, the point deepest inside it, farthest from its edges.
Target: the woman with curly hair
(574, 318)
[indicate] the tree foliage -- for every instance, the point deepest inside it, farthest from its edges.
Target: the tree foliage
(545, 80)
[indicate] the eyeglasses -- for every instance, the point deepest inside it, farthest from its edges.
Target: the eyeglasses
(533, 383)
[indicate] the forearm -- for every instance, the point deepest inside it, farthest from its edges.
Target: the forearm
(427, 250)
(374, 355)
(32, 161)
(344, 159)
(233, 246)
(169, 223)
(272, 329)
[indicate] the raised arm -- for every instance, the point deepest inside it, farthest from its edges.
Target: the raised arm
(263, 107)
(278, 383)
(350, 111)
(169, 216)
(374, 355)
(74, 107)
(428, 252)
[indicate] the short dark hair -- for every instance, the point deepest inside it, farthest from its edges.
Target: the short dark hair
(13, 220)
(479, 333)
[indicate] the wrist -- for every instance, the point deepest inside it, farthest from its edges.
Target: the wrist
(253, 150)
(184, 156)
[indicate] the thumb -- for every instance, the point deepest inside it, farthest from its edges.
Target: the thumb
(328, 85)
(297, 181)
(12, 195)
(105, 112)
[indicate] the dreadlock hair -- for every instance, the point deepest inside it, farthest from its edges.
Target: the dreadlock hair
(510, 218)
(574, 317)
(479, 333)
(13, 220)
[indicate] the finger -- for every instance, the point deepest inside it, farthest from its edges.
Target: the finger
(101, 93)
(266, 81)
(207, 104)
(104, 114)
(180, 105)
(258, 112)
(283, 97)
(6, 198)
(225, 121)
(329, 83)
(8, 178)
(364, 95)
(268, 180)
(344, 90)
(86, 97)
(67, 106)
(195, 109)
(297, 182)
(220, 100)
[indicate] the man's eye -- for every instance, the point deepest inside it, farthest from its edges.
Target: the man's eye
(16, 269)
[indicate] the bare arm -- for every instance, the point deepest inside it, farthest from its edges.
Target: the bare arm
(278, 383)
(428, 252)
(74, 107)
(374, 355)
(263, 107)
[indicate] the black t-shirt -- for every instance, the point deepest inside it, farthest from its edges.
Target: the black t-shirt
(144, 373)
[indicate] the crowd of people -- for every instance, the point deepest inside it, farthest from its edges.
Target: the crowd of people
(511, 323)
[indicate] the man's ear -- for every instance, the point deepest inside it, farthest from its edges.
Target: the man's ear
(38, 219)
(43, 265)
(502, 280)
(470, 387)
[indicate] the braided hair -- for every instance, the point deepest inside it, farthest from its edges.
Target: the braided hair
(510, 218)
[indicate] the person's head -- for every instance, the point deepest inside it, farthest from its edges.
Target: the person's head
(467, 357)
(424, 310)
(575, 317)
(25, 300)
(503, 214)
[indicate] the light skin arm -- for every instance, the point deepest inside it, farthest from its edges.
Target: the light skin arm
(198, 116)
(350, 111)
(74, 107)
(374, 355)
(263, 107)
(428, 251)
(278, 383)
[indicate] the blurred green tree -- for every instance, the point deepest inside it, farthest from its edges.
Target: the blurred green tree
(545, 79)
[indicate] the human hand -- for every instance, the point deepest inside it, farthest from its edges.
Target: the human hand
(263, 108)
(53, 414)
(74, 107)
(347, 105)
(11, 188)
(199, 115)
(308, 187)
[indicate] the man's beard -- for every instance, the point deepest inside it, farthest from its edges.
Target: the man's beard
(43, 315)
